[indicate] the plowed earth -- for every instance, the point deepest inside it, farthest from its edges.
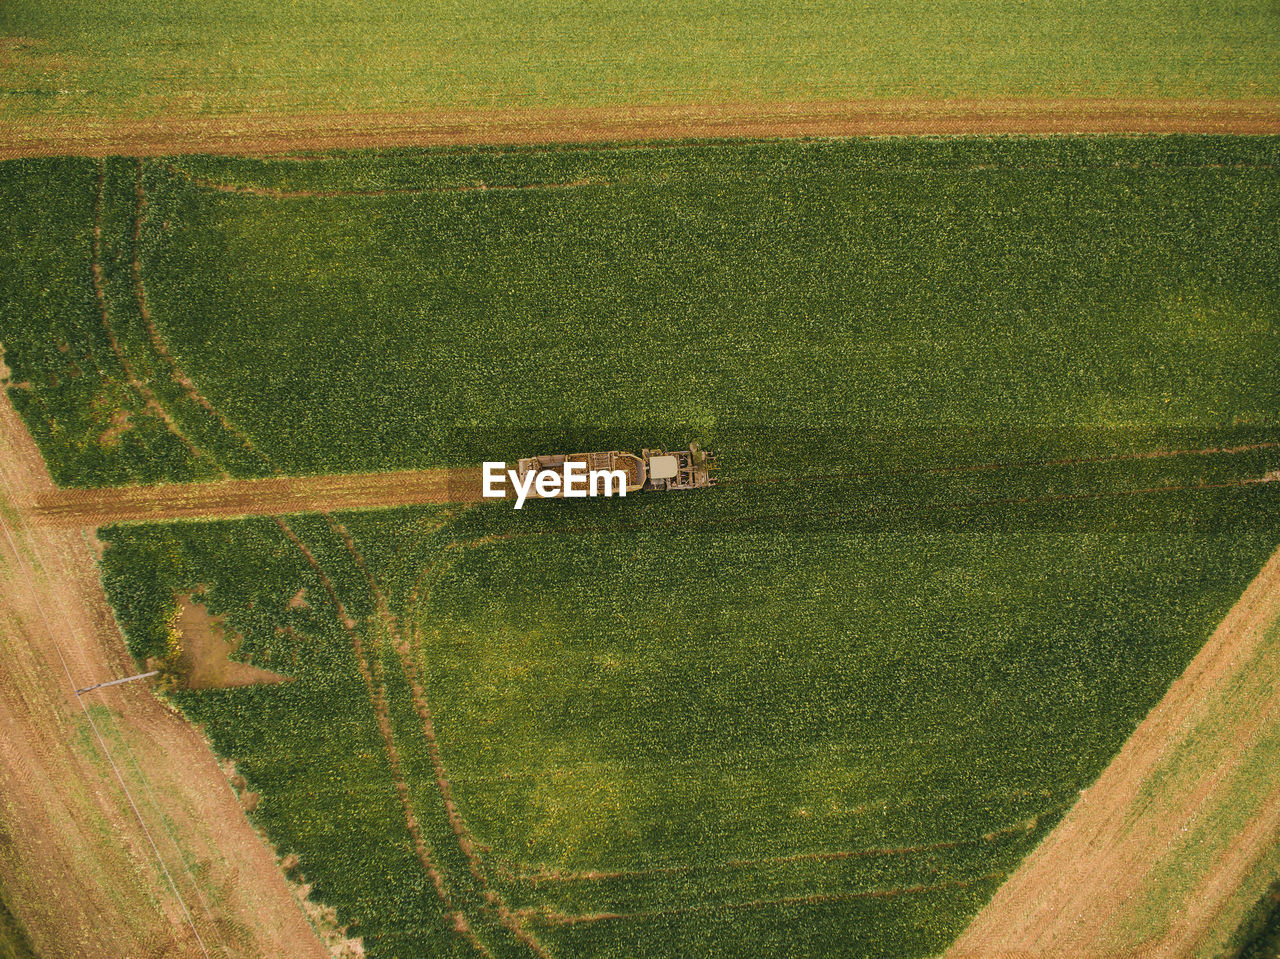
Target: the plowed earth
(273, 496)
(121, 836)
(263, 133)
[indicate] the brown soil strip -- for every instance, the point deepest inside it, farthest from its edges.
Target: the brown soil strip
(1066, 897)
(373, 683)
(270, 496)
(79, 870)
(280, 495)
(206, 645)
(266, 134)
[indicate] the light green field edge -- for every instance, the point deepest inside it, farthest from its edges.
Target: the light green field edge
(119, 58)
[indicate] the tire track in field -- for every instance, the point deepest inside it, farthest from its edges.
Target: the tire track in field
(275, 193)
(371, 676)
(466, 841)
(149, 399)
(743, 519)
(1021, 827)
(1001, 465)
(284, 494)
(376, 692)
(157, 343)
(555, 918)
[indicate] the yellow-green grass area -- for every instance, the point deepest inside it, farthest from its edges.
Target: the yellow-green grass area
(68, 61)
(1236, 742)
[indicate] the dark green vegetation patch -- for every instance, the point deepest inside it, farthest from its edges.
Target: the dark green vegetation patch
(803, 307)
(13, 939)
(994, 417)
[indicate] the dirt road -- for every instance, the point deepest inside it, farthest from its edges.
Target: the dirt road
(121, 835)
(264, 133)
(274, 496)
(1152, 858)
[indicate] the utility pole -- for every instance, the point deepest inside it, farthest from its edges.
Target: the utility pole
(117, 682)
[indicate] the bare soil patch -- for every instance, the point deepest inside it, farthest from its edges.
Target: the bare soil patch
(206, 644)
(267, 134)
(94, 835)
(1090, 879)
(116, 428)
(271, 496)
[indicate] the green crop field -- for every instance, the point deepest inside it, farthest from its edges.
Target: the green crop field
(805, 308)
(89, 60)
(992, 414)
(727, 727)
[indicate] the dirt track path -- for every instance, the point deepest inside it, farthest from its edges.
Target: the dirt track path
(1130, 839)
(259, 133)
(132, 844)
(272, 496)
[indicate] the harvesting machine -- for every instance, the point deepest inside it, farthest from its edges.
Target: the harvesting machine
(652, 469)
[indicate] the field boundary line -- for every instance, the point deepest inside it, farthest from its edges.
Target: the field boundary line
(256, 134)
(1062, 898)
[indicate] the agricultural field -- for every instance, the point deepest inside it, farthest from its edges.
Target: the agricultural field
(72, 65)
(668, 730)
(998, 424)
(804, 308)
